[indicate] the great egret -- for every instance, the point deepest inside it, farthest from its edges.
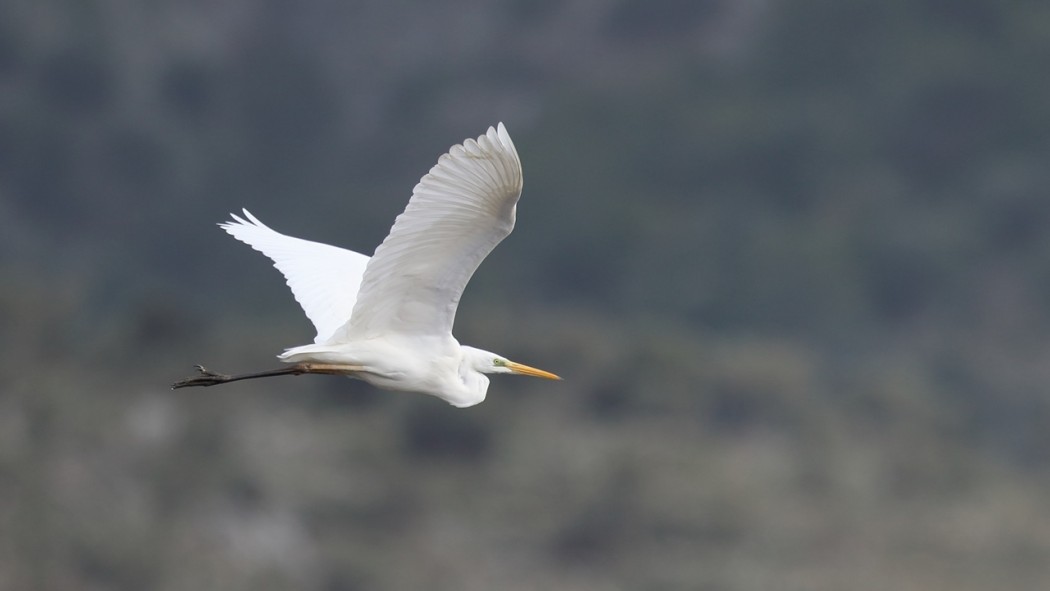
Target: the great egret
(388, 319)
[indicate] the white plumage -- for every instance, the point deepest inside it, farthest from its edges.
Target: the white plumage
(324, 279)
(388, 319)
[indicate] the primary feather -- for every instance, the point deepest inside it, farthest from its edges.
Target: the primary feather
(458, 213)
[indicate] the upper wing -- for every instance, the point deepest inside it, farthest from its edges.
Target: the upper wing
(324, 279)
(457, 214)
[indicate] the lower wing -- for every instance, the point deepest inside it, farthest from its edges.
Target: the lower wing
(324, 279)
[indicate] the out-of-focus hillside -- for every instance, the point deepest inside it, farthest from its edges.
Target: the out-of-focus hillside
(790, 257)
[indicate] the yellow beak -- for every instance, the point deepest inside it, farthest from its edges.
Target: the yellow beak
(525, 370)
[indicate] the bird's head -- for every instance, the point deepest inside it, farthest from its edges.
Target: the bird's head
(487, 362)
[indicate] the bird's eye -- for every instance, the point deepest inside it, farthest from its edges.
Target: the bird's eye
(498, 362)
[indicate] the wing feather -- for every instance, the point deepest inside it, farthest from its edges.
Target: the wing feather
(324, 279)
(458, 213)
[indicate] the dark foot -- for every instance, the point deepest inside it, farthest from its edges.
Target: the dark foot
(206, 378)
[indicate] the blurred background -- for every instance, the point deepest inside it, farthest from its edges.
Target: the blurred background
(791, 258)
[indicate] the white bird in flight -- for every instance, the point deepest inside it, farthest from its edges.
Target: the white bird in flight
(387, 319)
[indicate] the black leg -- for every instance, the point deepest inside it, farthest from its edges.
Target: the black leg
(211, 378)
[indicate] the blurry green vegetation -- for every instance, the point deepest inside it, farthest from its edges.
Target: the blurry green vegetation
(789, 256)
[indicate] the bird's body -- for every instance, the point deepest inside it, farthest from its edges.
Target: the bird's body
(438, 366)
(387, 319)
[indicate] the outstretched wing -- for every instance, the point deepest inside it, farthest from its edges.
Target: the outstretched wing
(324, 279)
(457, 214)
